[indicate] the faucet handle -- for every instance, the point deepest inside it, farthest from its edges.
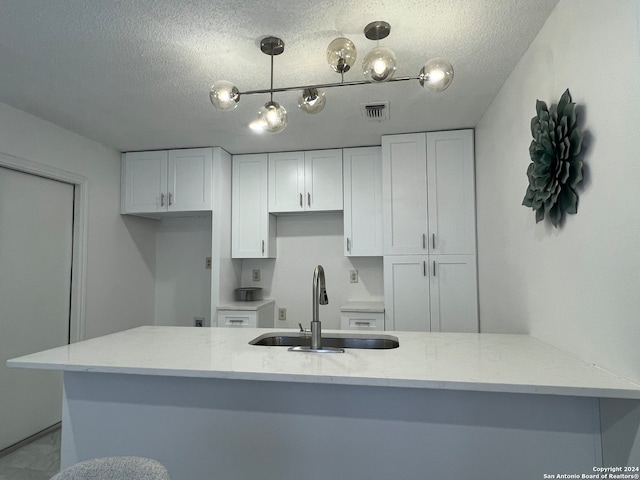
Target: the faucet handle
(303, 332)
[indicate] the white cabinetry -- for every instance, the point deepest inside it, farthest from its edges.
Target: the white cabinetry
(253, 232)
(429, 193)
(430, 279)
(363, 232)
(167, 181)
(431, 293)
(365, 316)
(256, 314)
(305, 181)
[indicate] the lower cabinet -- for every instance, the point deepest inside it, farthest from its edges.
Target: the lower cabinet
(435, 293)
(365, 316)
(257, 314)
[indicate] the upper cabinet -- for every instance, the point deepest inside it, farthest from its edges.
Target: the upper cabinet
(362, 201)
(451, 192)
(404, 180)
(253, 230)
(429, 193)
(167, 181)
(305, 181)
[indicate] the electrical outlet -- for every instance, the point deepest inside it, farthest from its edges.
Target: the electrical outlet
(208, 263)
(282, 314)
(353, 276)
(256, 275)
(198, 321)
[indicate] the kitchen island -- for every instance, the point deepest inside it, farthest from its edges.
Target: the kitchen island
(442, 405)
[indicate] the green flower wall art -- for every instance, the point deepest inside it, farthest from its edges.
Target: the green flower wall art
(555, 170)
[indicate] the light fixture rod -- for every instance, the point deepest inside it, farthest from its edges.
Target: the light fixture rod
(324, 85)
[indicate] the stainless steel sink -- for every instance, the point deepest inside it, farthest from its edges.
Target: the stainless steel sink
(334, 340)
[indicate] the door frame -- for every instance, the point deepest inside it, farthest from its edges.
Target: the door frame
(80, 217)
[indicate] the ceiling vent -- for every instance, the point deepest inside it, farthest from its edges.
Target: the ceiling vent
(376, 112)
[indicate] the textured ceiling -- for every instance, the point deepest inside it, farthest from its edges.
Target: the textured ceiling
(135, 74)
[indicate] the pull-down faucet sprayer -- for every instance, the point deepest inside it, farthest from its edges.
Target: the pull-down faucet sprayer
(319, 298)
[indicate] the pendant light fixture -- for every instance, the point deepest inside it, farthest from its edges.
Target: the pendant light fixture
(378, 65)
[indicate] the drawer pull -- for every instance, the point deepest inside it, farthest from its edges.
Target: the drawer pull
(363, 323)
(236, 320)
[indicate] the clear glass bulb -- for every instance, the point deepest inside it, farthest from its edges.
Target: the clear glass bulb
(436, 75)
(341, 54)
(272, 118)
(224, 95)
(379, 65)
(312, 100)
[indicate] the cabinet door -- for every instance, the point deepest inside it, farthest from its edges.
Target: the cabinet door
(286, 182)
(362, 201)
(454, 293)
(252, 229)
(406, 293)
(451, 192)
(404, 183)
(190, 181)
(144, 182)
(323, 180)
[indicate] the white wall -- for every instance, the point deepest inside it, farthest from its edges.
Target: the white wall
(304, 241)
(183, 283)
(120, 250)
(576, 286)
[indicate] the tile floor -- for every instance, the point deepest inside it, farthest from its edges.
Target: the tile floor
(38, 460)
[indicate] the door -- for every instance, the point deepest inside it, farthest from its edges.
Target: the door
(454, 293)
(144, 182)
(189, 180)
(286, 182)
(363, 202)
(404, 183)
(36, 235)
(406, 293)
(323, 180)
(450, 170)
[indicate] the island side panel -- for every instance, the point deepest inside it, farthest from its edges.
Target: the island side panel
(235, 429)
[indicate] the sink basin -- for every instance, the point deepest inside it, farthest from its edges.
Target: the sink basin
(334, 340)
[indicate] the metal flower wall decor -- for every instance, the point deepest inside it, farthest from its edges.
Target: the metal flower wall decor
(555, 170)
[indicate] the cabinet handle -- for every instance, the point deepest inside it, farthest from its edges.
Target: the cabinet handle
(162, 199)
(363, 323)
(424, 268)
(433, 241)
(262, 247)
(300, 200)
(170, 199)
(308, 199)
(434, 268)
(424, 241)
(236, 320)
(348, 245)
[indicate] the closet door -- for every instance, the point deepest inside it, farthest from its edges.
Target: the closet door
(36, 232)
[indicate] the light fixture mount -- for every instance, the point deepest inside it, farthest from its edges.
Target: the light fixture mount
(377, 30)
(272, 45)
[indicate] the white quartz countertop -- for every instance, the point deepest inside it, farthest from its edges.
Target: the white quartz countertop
(457, 361)
(362, 306)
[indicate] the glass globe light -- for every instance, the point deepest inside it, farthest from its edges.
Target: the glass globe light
(272, 117)
(379, 65)
(436, 75)
(312, 100)
(341, 54)
(224, 95)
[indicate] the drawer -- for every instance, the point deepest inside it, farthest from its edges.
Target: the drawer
(230, 318)
(362, 321)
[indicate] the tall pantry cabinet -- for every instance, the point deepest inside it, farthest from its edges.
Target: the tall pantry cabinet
(430, 279)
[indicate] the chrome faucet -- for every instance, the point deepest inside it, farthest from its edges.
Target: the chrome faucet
(319, 298)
